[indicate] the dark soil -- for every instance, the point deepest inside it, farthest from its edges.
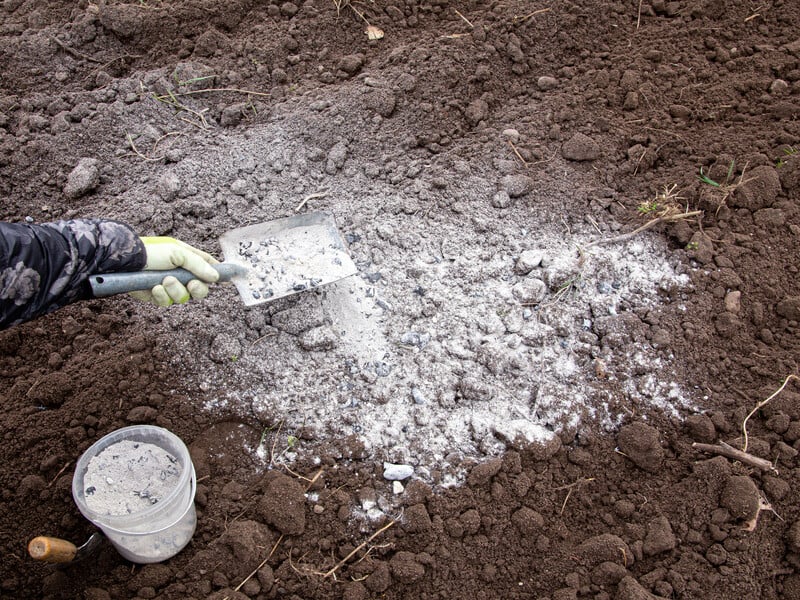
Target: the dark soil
(658, 89)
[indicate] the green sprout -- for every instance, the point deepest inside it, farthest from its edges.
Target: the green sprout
(647, 208)
(692, 246)
(790, 151)
(728, 176)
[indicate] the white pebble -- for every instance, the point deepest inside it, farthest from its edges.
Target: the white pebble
(394, 472)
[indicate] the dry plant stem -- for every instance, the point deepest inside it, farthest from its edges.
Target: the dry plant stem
(310, 197)
(729, 451)
(263, 562)
(466, 20)
(761, 405)
(360, 14)
(136, 150)
(263, 337)
(569, 489)
(207, 90)
(534, 13)
(358, 548)
(519, 156)
(312, 480)
(64, 468)
(74, 53)
(646, 226)
(639, 15)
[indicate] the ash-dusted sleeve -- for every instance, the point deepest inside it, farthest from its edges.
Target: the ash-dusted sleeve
(44, 267)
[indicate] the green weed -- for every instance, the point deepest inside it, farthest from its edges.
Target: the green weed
(788, 152)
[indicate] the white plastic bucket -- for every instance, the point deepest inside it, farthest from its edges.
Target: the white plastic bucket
(159, 531)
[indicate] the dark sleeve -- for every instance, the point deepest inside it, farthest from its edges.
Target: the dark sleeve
(44, 267)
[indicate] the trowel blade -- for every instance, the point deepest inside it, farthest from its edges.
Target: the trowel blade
(287, 256)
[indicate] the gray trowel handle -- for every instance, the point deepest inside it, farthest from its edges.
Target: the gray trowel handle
(109, 284)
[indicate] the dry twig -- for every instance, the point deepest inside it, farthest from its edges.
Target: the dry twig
(256, 570)
(519, 156)
(71, 51)
(652, 223)
(358, 548)
(729, 451)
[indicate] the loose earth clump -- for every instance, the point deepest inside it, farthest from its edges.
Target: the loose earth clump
(576, 234)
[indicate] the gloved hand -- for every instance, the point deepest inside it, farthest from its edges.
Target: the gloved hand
(164, 253)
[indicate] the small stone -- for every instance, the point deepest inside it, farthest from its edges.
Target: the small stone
(395, 472)
(779, 87)
(733, 302)
(545, 83)
(84, 178)
(528, 261)
(418, 396)
(580, 147)
(511, 135)
(397, 488)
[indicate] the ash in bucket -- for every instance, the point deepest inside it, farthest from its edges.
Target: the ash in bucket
(129, 477)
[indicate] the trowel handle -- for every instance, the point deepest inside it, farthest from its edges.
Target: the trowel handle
(109, 284)
(50, 549)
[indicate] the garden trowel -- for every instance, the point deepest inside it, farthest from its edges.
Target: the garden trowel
(56, 550)
(265, 261)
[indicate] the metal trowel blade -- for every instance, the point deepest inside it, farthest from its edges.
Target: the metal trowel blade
(287, 256)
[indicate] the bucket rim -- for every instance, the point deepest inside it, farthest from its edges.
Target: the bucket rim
(129, 433)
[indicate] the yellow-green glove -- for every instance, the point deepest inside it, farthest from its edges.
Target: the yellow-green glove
(165, 253)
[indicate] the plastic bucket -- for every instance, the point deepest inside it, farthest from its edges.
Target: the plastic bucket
(160, 530)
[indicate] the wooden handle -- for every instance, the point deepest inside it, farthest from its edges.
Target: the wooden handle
(50, 549)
